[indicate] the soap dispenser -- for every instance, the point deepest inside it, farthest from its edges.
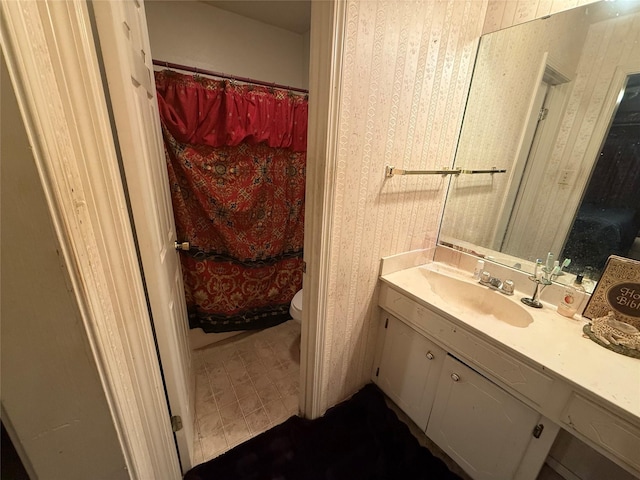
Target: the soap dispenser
(572, 298)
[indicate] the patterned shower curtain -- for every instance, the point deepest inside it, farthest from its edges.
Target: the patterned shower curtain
(236, 157)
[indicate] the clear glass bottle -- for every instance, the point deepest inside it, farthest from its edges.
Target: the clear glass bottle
(478, 270)
(572, 298)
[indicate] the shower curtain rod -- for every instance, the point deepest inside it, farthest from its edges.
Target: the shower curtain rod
(197, 70)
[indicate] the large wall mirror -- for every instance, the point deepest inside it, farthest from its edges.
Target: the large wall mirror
(556, 103)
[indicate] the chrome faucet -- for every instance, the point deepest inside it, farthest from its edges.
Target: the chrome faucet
(541, 279)
(495, 283)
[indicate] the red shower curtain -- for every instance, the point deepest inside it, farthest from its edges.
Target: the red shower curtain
(236, 157)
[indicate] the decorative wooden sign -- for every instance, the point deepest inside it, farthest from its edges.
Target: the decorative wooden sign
(614, 308)
(618, 291)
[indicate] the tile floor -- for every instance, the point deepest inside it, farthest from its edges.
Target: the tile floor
(244, 386)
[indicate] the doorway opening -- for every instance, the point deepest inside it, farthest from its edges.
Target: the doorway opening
(246, 381)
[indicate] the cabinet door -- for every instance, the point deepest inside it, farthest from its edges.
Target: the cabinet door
(483, 428)
(409, 369)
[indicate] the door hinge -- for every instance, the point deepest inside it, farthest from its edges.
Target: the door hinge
(537, 430)
(304, 267)
(176, 423)
(386, 323)
(377, 371)
(543, 113)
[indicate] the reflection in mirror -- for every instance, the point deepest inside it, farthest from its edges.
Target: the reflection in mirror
(542, 99)
(608, 219)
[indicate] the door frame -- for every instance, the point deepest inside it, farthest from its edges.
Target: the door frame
(558, 87)
(325, 67)
(124, 56)
(50, 51)
(51, 57)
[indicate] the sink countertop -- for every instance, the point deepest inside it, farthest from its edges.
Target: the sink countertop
(553, 341)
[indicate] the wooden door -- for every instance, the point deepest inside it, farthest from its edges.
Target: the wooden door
(124, 44)
(409, 369)
(483, 428)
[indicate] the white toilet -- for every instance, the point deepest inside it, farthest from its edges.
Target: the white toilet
(295, 310)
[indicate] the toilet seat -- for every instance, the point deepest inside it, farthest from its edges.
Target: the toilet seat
(295, 310)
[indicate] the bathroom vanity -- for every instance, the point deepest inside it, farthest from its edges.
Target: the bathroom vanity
(492, 381)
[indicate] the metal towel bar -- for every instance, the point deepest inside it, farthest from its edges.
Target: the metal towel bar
(392, 171)
(491, 171)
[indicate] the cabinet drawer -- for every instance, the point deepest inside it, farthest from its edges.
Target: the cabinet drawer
(519, 376)
(415, 314)
(605, 429)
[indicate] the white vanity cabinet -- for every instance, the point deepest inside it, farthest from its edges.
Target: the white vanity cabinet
(483, 428)
(516, 376)
(408, 369)
(466, 410)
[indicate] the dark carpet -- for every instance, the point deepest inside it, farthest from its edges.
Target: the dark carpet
(360, 438)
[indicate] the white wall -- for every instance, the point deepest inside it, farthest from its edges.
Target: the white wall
(51, 392)
(200, 35)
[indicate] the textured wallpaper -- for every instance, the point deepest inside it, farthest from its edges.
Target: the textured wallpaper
(407, 68)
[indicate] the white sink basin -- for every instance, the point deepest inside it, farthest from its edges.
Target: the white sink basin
(475, 299)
